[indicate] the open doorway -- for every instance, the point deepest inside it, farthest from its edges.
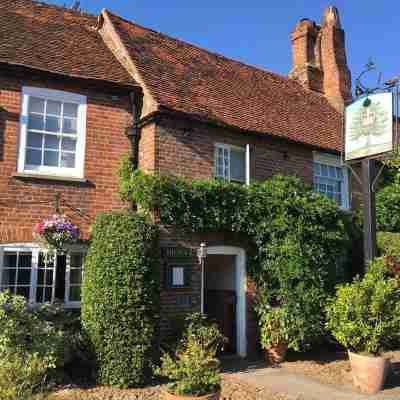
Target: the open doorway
(220, 296)
(225, 294)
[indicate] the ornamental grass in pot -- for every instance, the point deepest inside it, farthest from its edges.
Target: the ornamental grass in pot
(194, 370)
(364, 317)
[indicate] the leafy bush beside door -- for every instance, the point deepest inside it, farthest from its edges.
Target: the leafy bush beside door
(121, 296)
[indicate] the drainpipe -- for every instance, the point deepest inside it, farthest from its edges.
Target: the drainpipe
(247, 164)
(133, 132)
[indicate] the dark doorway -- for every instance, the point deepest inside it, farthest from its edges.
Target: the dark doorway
(220, 296)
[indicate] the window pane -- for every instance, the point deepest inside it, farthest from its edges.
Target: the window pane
(25, 260)
(68, 160)
(177, 276)
(34, 140)
(36, 105)
(33, 157)
(324, 170)
(339, 173)
(24, 277)
(51, 158)
(35, 122)
(52, 124)
(51, 142)
(76, 276)
(70, 125)
(68, 144)
(332, 171)
(10, 260)
(8, 277)
(75, 293)
(238, 165)
(70, 110)
(47, 294)
(49, 277)
(40, 278)
(76, 260)
(39, 294)
(317, 168)
(53, 107)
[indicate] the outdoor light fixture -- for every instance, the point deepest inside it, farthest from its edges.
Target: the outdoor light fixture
(202, 254)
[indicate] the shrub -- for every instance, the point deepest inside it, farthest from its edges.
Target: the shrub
(388, 244)
(194, 371)
(121, 296)
(364, 316)
(24, 331)
(33, 343)
(388, 208)
(22, 375)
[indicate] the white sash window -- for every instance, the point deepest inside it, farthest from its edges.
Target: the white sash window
(53, 130)
(230, 163)
(27, 271)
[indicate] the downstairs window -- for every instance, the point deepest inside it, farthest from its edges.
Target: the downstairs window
(41, 278)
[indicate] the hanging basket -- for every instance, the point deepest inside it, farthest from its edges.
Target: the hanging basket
(56, 233)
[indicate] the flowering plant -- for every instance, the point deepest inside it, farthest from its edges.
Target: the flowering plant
(56, 232)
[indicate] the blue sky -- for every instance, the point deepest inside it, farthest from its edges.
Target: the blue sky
(257, 31)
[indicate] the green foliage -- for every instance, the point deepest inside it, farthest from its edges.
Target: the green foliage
(388, 208)
(300, 240)
(194, 371)
(22, 375)
(121, 296)
(33, 343)
(389, 243)
(364, 316)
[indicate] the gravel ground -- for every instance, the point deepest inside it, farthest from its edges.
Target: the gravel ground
(231, 390)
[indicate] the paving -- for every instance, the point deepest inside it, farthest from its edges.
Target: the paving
(294, 387)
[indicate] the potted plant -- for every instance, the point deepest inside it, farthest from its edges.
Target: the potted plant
(294, 324)
(56, 233)
(274, 334)
(364, 317)
(194, 370)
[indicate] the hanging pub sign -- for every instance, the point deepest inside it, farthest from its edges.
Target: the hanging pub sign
(369, 126)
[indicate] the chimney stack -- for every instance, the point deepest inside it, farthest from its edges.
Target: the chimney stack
(319, 58)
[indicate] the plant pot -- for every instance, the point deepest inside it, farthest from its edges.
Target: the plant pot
(276, 354)
(369, 373)
(170, 396)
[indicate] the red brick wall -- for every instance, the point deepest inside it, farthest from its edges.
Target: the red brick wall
(108, 115)
(187, 149)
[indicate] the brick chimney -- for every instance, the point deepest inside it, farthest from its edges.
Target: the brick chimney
(319, 58)
(306, 58)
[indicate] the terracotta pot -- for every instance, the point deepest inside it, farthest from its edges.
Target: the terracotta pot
(275, 354)
(369, 373)
(169, 396)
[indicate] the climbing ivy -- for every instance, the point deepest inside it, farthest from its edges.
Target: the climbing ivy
(299, 238)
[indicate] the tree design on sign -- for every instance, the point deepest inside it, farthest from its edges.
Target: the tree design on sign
(369, 120)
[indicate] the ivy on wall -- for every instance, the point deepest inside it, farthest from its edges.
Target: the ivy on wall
(300, 238)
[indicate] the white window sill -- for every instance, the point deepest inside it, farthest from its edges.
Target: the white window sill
(24, 175)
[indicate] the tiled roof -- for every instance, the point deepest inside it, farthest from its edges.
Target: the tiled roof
(185, 78)
(57, 40)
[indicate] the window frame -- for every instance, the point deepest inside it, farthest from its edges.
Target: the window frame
(56, 95)
(334, 161)
(35, 249)
(229, 148)
(187, 275)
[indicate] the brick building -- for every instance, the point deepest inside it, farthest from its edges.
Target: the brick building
(79, 91)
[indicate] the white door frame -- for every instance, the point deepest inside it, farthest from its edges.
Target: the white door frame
(241, 288)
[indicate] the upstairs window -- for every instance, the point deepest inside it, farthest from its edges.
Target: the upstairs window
(331, 179)
(230, 163)
(53, 125)
(26, 271)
